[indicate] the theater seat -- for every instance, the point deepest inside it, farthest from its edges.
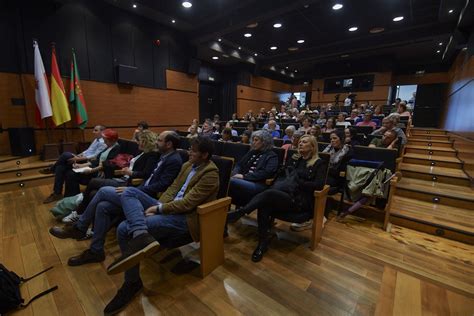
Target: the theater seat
(212, 218)
(235, 150)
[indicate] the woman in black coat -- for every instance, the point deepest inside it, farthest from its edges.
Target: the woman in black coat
(292, 192)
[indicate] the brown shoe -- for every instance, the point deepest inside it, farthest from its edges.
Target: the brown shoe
(53, 197)
(68, 231)
(86, 257)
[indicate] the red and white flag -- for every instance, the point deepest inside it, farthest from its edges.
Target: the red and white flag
(43, 101)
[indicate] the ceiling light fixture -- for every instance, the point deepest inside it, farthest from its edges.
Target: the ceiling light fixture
(134, 6)
(438, 51)
(240, 48)
(296, 70)
(273, 48)
(173, 21)
(337, 6)
(248, 35)
(301, 41)
(219, 39)
(440, 43)
(187, 4)
(450, 11)
(255, 54)
(277, 25)
(286, 67)
(398, 18)
(215, 57)
(353, 28)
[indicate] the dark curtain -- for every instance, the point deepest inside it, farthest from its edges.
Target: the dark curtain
(228, 96)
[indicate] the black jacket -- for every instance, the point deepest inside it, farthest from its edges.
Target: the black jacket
(266, 167)
(164, 175)
(145, 165)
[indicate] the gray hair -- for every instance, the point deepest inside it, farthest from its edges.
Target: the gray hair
(394, 117)
(291, 127)
(266, 138)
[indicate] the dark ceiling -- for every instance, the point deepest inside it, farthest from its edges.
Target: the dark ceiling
(419, 41)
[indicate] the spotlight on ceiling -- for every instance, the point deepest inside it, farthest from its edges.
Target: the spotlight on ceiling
(337, 6)
(277, 25)
(440, 43)
(134, 6)
(240, 48)
(273, 48)
(450, 11)
(219, 39)
(248, 35)
(255, 54)
(215, 57)
(353, 28)
(286, 67)
(296, 70)
(398, 18)
(301, 41)
(438, 51)
(187, 4)
(173, 21)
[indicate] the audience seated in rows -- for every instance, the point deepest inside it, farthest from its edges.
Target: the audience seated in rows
(94, 167)
(306, 126)
(141, 126)
(67, 159)
(140, 167)
(294, 143)
(389, 123)
(250, 173)
(402, 110)
(389, 140)
(289, 131)
(292, 191)
(108, 202)
(341, 120)
(330, 125)
(367, 120)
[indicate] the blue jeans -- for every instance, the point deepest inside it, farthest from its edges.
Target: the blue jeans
(159, 226)
(242, 191)
(102, 209)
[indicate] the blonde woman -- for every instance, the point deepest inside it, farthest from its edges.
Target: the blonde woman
(292, 192)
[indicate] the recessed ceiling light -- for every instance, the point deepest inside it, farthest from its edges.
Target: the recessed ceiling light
(219, 39)
(337, 6)
(440, 43)
(277, 25)
(215, 57)
(398, 18)
(292, 49)
(353, 28)
(187, 4)
(248, 35)
(296, 70)
(134, 6)
(450, 11)
(301, 41)
(306, 83)
(240, 47)
(286, 67)
(255, 54)
(376, 30)
(273, 48)
(173, 21)
(438, 51)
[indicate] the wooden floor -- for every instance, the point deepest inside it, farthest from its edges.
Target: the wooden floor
(358, 269)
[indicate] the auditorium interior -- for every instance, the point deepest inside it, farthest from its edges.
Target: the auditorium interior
(256, 157)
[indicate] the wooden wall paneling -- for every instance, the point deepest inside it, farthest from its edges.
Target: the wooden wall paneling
(181, 81)
(250, 93)
(301, 88)
(269, 84)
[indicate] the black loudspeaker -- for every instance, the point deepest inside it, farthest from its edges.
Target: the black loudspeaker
(22, 141)
(194, 66)
(126, 74)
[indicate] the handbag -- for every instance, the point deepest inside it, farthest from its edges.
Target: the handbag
(121, 160)
(288, 182)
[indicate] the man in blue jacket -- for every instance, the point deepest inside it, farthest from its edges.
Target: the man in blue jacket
(250, 173)
(106, 204)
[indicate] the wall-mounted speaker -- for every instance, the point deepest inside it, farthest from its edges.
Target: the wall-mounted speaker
(22, 141)
(126, 74)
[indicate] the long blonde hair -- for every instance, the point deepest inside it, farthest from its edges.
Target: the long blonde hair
(149, 139)
(315, 151)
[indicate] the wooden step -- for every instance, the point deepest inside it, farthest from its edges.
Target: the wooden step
(430, 143)
(436, 192)
(428, 160)
(432, 131)
(430, 151)
(450, 222)
(12, 184)
(16, 161)
(430, 137)
(23, 170)
(435, 174)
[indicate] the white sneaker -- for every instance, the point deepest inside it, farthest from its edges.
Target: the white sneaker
(71, 218)
(298, 227)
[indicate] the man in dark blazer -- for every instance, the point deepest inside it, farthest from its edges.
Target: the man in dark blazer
(107, 205)
(149, 221)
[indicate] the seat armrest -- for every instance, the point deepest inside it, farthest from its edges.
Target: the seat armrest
(269, 181)
(213, 205)
(320, 198)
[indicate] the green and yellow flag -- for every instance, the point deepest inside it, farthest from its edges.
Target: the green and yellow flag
(59, 102)
(75, 95)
